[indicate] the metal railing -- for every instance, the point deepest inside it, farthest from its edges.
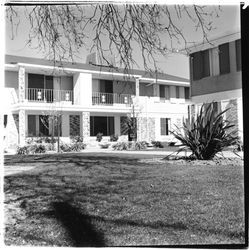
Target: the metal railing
(48, 95)
(99, 98)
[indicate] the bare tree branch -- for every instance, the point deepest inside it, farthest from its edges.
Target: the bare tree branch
(60, 31)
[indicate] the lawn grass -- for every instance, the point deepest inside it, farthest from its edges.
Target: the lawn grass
(96, 200)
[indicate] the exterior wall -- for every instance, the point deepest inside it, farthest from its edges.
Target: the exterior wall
(82, 89)
(22, 127)
(146, 128)
(86, 125)
(11, 131)
(219, 96)
(215, 84)
(95, 85)
(11, 79)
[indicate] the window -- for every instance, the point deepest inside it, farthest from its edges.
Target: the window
(224, 60)
(200, 65)
(101, 124)
(238, 54)
(177, 92)
(186, 93)
(31, 125)
(164, 92)
(74, 125)
(165, 126)
(43, 125)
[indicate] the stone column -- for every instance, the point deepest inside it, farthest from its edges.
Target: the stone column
(21, 84)
(86, 125)
(22, 127)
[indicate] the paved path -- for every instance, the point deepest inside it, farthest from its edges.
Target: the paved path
(228, 154)
(10, 170)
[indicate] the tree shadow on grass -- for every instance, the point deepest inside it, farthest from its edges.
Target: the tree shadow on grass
(78, 225)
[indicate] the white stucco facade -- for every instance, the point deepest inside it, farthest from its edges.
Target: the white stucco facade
(85, 95)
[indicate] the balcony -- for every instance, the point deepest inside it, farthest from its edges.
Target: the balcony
(99, 98)
(48, 95)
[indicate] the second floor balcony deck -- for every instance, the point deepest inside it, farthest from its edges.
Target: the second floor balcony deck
(48, 95)
(100, 98)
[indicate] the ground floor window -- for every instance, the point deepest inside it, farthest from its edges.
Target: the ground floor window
(43, 125)
(165, 126)
(31, 125)
(101, 124)
(74, 125)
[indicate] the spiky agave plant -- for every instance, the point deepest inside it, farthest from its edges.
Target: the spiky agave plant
(209, 134)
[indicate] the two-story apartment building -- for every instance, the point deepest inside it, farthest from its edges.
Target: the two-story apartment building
(90, 99)
(215, 75)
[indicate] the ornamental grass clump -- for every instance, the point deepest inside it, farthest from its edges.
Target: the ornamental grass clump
(208, 135)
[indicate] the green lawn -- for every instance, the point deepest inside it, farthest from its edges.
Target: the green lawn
(97, 200)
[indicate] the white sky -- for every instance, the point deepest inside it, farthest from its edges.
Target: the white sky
(175, 64)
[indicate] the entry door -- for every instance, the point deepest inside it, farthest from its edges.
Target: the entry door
(35, 82)
(106, 86)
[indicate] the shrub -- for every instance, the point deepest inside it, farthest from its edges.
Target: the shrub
(49, 140)
(99, 137)
(36, 149)
(130, 145)
(105, 145)
(65, 147)
(113, 137)
(31, 149)
(22, 150)
(77, 138)
(69, 147)
(49, 146)
(29, 140)
(208, 134)
(157, 144)
(121, 146)
(138, 145)
(38, 140)
(78, 146)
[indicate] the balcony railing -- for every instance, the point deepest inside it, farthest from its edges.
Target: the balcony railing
(99, 98)
(48, 95)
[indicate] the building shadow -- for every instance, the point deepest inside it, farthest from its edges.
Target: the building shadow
(78, 225)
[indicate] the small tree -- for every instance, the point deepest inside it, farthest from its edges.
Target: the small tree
(129, 124)
(53, 118)
(209, 134)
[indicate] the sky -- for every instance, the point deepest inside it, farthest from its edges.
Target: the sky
(175, 64)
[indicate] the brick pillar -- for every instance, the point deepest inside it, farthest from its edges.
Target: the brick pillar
(22, 127)
(21, 84)
(86, 125)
